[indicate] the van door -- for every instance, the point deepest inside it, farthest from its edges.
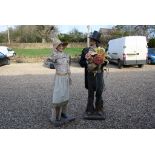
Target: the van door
(130, 52)
(113, 51)
(141, 50)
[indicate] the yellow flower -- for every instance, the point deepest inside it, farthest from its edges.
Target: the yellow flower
(101, 52)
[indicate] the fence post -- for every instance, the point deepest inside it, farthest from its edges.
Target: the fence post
(88, 27)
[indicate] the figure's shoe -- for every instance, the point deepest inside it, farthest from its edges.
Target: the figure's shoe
(100, 115)
(67, 118)
(58, 123)
(63, 121)
(55, 122)
(63, 115)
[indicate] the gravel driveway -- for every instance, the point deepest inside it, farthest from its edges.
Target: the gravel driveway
(26, 90)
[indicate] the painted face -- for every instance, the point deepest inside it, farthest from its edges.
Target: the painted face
(60, 48)
(92, 42)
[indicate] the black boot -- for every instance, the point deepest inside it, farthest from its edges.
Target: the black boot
(100, 112)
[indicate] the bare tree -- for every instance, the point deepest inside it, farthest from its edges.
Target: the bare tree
(45, 31)
(145, 30)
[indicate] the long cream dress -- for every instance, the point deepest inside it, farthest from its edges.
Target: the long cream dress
(61, 80)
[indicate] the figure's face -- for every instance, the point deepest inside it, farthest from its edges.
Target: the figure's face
(60, 48)
(92, 42)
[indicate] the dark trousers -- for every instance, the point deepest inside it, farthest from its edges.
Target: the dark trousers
(95, 84)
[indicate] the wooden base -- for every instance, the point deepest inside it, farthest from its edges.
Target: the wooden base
(94, 117)
(62, 121)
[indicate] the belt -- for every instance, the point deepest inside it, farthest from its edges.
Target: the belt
(99, 71)
(62, 74)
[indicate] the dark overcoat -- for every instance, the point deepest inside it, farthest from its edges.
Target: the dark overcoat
(83, 63)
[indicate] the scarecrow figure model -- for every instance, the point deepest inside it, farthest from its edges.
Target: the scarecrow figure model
(62, 83)
(94, 59)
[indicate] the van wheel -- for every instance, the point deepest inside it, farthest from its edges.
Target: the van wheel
(120, 65)
(140, 66)
(8, 62)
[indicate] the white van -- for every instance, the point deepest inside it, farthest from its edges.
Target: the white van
(8, 52)
(130, 50)
(5, 55)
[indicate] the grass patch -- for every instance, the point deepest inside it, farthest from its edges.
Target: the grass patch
(32, 52)
(73, 52)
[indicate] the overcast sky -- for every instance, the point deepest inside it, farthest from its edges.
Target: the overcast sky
(68, 28)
